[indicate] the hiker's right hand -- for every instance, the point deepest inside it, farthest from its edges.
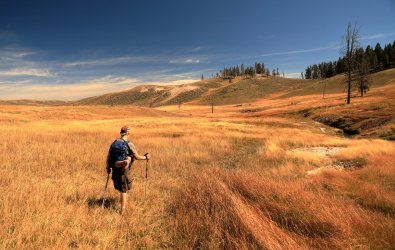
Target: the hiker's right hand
(147, 156)
(108, 170)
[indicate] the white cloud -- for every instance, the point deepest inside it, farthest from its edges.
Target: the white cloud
(185, 61)
(27, 72)
(111, 61)
(377, 36)
(62, 91)
(16, 57)
(301, 51)
(76, 91)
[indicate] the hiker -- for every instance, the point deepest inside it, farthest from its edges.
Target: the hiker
(120, 158)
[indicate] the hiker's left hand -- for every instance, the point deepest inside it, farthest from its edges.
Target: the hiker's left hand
(148, 156)
(108, 170)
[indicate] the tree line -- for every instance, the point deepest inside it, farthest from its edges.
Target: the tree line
(248, 71)
(375, 59)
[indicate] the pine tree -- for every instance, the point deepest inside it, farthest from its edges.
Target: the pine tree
(393, 55)
(315, 71)
(379, 54)
(361, 74)
(371, 57)
(387, 56)
(308, 73)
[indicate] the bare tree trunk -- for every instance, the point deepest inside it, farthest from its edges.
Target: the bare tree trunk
(351, 44)
(349, 88)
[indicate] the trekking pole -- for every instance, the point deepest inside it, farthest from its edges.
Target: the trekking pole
(146, 176)
(105, 191)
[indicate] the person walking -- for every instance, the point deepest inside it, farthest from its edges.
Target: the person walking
(120, 158)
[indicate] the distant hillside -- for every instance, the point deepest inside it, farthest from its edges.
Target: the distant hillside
(156, 95)
(217, 90)
(221, 92)
(35, 102)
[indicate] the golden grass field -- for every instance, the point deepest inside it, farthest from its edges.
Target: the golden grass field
(228, 180)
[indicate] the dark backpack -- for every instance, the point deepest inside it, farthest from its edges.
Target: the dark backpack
(119, 149)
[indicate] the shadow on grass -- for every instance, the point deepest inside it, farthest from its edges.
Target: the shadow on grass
(109, 203)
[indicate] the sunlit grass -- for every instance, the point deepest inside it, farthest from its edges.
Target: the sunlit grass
(216, 181)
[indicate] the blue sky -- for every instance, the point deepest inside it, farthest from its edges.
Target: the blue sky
(73, 49)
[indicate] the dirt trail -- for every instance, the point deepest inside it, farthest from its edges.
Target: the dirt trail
(321, 151)
(325, 152)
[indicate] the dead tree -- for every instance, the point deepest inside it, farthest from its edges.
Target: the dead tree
(351, 44)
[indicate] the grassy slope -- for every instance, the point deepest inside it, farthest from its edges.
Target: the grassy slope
(217, 91)
(336, 84)
(221, 92)
(153, 95)
(249, 90)
(35, 102)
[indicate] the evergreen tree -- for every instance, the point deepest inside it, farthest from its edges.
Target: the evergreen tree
(393, 55)
(315, 71)
(308, 74)
(380, 57)
(387, 56)
(371, 57)
(361, 74)
(237, 70)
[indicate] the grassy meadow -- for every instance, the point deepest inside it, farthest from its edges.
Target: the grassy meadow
(233, 179)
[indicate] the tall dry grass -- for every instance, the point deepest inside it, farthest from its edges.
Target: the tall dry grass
(214, 182)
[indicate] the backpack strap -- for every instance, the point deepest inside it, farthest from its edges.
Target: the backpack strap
(127, 145)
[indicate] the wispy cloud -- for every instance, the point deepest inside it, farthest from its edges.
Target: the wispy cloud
(195, 49)
(185, 61)
(113, 80)
(63, 91)
(15, 57)
(30, 74)
(27, 72)
(75, 91)
(301, 51)
(378, 36)
(111, 61)
(15, 53)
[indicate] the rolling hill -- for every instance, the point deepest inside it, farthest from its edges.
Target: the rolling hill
(217, 91)
(223, 92)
